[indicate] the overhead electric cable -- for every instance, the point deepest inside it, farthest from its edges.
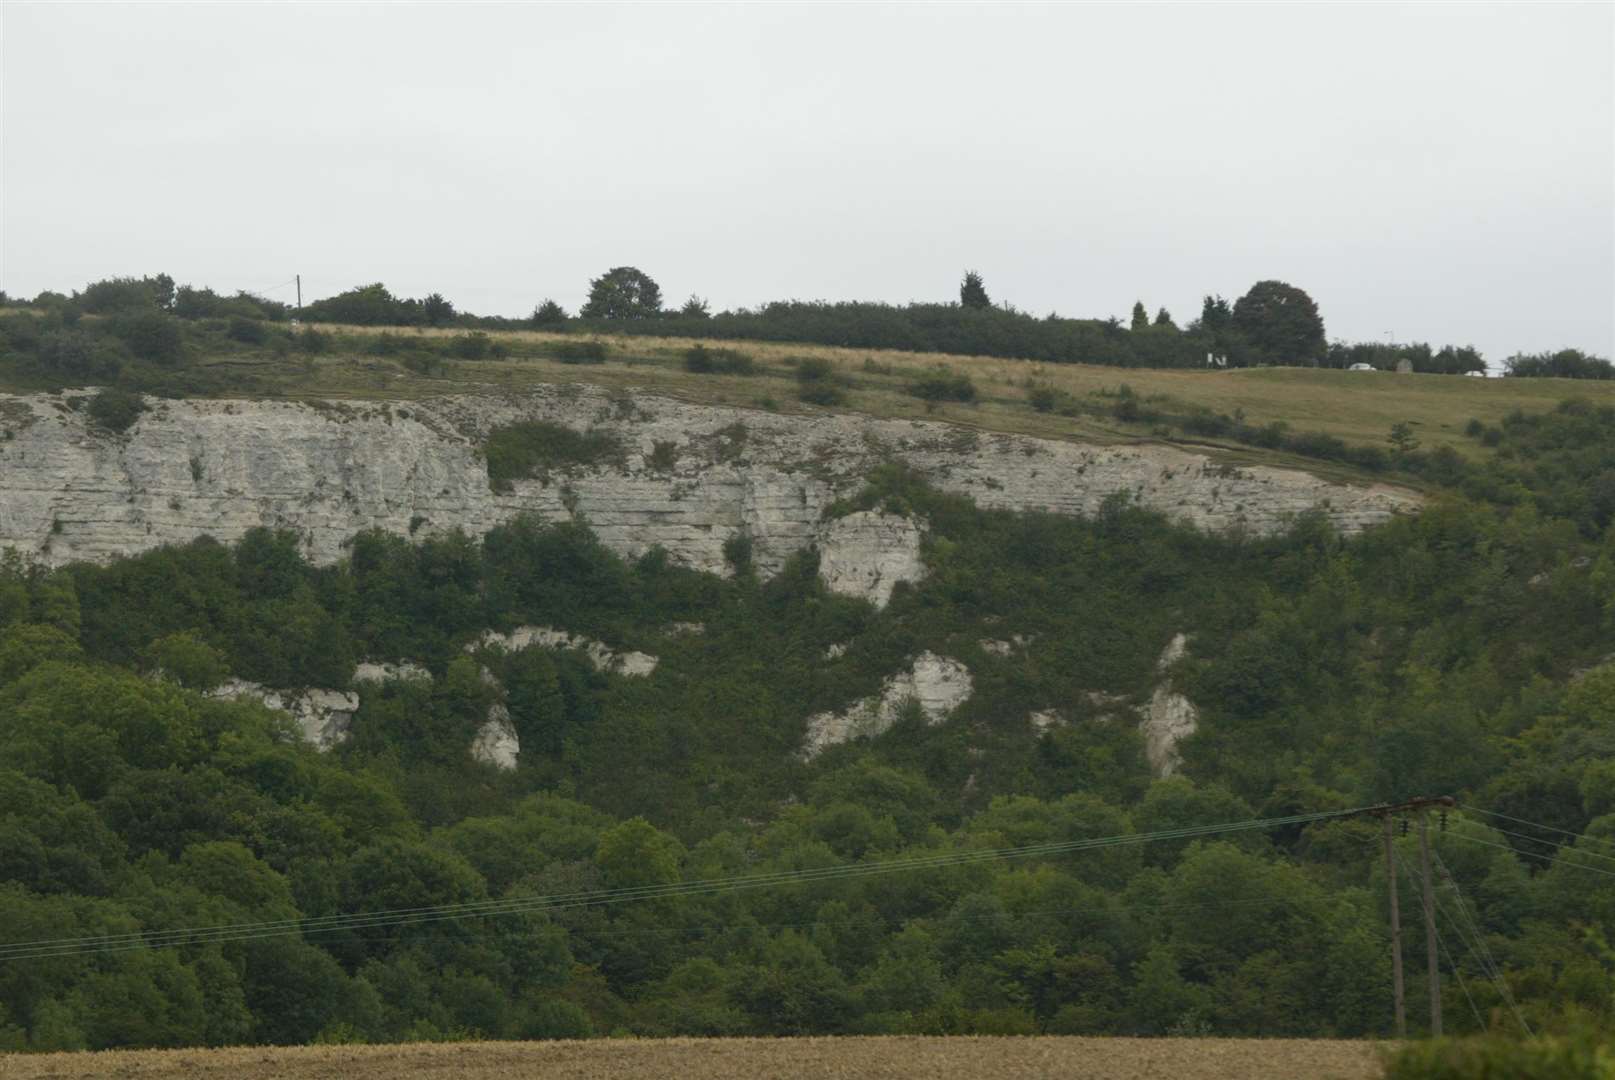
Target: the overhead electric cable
(1539, 825)
(520, 905)
(1534, 854)
(1478, 946)
(1558, 845)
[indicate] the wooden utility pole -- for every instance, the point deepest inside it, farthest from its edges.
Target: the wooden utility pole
(1430, 925)
(1396, 931)
(299, 278)
(1385, 811)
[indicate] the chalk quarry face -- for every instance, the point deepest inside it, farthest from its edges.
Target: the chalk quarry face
(185, 469)
(69, 491)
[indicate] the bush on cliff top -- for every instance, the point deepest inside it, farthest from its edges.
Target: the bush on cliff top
(526, 450)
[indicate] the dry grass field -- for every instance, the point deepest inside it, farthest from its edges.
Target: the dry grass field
(738, 1059)
(1359, 407)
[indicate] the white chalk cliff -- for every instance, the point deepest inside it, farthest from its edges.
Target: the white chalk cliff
(934, 683)
(69, 491)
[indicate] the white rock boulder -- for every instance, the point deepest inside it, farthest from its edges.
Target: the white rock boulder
(936, 684)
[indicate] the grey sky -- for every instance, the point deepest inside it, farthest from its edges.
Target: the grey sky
(1441, 172)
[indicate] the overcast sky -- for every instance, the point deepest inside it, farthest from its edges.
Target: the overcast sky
(1438, 172)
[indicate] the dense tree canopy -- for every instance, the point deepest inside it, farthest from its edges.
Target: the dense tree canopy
(1462, 651)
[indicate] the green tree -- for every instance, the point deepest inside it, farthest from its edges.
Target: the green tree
(636, 854)
(695, 308)
(437, 310)
(1402, 438)
(972, 293)
(1164, 318)
(1141, 318)
(1281, 323)
(549, 314)
(623, 292)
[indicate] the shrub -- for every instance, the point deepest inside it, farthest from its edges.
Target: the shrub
(663, 456)
(526, 450)
(115, 409)
(79, 354)
(943, 385)
(422, 362)
(579, 352)
(817, 384)
(1579, 1057)
(737, 552)
(247, 331)
(1203, 421)
(701, 360)
(313, 341)
(386, 344)
(472, 346)
(151, 335)
(123, 294)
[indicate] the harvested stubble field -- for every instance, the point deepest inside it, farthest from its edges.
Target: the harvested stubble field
(655, 1059)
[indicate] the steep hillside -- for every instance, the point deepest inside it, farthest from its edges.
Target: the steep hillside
(561, 710)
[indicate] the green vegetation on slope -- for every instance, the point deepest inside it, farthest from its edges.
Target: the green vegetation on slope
(1431, 655)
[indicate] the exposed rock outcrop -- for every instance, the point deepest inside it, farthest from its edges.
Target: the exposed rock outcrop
(380, 672)
(70, 491)
(323, 716)
(496, 743)
(934, 683)
(1170, 716)
(865, 554)
(603, 657)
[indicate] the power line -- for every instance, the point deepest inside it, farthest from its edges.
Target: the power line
(1539, 825)
(1557, 845)
(1478, 946)
(519, 905)
(1534, 854)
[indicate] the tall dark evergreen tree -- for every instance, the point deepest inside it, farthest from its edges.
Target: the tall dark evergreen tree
(972, 293)
(437, 310)
(1164, 318)
(1141, 318)
(1215, 315)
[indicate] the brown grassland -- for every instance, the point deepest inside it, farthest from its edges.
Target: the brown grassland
(1359, 407)
(655, 1059)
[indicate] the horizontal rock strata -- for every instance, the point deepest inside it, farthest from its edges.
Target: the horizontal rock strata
(69, 491)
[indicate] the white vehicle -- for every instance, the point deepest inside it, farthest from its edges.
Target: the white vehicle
(1362, 367)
